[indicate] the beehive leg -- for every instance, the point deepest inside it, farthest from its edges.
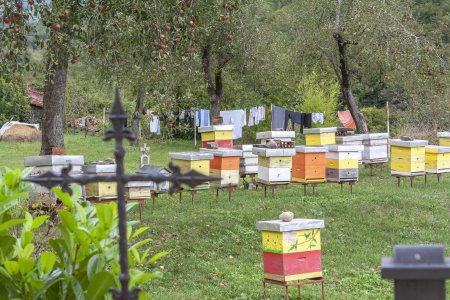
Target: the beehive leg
(264, 289)
(323, 290)
(273, 190)
(439, 177)
(265, 191)
(180, 197)
(371, 169)
(193, 196)
(425, 178)
(304, 190)
(217, 195)
(398, 180)
(299, 295)
(341, 187)
(411, 178)
(287, 292)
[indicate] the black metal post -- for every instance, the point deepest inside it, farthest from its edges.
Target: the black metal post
(419, 272)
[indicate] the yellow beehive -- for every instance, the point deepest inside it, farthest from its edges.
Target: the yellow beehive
(407, 157)
(101, 189)
(437, 159)
(220, 134)
(444, 138)
(320, 136)
(197, 161)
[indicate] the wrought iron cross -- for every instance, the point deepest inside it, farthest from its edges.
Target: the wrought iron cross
(120, 132)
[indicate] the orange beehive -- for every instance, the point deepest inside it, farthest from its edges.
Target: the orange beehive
(309, 164)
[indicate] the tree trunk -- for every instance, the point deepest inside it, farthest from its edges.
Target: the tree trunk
(214, 89)
(53, 110)
(346, 85)
(136, 121)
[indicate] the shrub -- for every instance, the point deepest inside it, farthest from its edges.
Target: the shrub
(318, 95)
(13, 101)
(375, 118)
(82, 261)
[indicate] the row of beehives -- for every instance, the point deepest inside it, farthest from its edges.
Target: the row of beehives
(102, 190)
(416, 157)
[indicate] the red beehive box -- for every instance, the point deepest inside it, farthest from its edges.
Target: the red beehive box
(291, 250)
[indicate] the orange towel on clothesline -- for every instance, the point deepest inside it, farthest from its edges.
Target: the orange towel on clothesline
(346, 119)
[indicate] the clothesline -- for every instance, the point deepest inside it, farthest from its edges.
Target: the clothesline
(283, 118)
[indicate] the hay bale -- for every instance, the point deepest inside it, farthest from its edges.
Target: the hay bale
(20, 132)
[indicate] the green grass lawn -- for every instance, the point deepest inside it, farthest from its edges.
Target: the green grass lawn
(215, 248)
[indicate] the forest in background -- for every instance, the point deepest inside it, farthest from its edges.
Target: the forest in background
(282, 53)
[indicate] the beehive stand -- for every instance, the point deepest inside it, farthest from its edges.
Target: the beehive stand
(220, 134)
(248, 166)
(100, 190)
(292, 253)
(225, 165)
(198, 161)
(308, 167)
(437, 161)
(320, 136)
(375, 153)
(407, 159)
(274, 167)
(342, 164)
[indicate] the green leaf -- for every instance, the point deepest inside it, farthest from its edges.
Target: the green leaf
(47, 261)
(38, 222)
(77, 289)
(100, 285)
(12, 267)
(27, 251)
(68, 220)
(156, 257)
(139, 231)
(6, 244)
(94, 266)
(11, 223)
(26, 265)
(141, 243)
(64, 197)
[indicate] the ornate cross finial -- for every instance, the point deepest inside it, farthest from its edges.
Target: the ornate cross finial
(119, 132)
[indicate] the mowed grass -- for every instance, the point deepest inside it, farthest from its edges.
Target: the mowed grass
(215, 250)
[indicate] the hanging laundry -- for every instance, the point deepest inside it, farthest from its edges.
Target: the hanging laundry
(261, 113)
(155, 125)
(278, 118)
(182, 115)
(346, 119)
(204, 120)
(317, 118)
(237, 118)
(253, 117)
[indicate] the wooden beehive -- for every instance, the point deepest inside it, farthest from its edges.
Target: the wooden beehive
(342, 162)
(160, 187)
(225, 164)
(407, 157)
(248, 163)
(320, 136)
(220, 134)
(437, 159)
(355, 139)
(51, 163)
(274, 165)
(308, 164)
(291, 250)
(375, 147)
(101, 189)
(197, 161)
(138, 189)
(282, 136)
(444, 138)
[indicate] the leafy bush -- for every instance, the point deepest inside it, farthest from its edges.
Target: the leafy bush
(13, 101)
(375, 118)
(83, 259)
(318, 95)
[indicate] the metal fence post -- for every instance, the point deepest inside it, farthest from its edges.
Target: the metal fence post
(419, 272)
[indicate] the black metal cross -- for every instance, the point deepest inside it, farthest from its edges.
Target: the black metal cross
(120, 132)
